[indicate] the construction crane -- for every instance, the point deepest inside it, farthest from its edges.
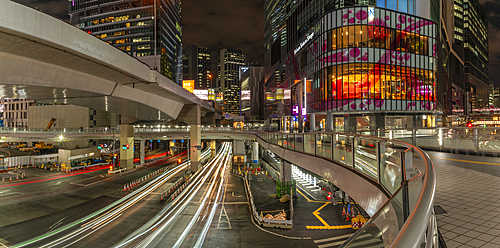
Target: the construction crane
(51, 122)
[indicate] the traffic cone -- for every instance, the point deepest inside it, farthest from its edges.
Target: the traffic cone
(22, 176)
(17, 177)
(3, 179)
(10, 178)
(343, 212)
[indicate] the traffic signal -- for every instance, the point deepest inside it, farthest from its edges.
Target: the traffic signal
(126, 147)
(469, 124)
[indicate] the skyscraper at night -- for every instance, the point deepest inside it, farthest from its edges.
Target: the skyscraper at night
(229, 62)
(150, 30)
(197, 66)
(352, 65)
(471, 32)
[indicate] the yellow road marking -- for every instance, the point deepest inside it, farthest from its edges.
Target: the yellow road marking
(466, 161)
(329, 227)
(317, 213)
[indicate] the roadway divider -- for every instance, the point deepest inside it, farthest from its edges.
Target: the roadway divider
(175, 189)
(138, 181)
(266, 222)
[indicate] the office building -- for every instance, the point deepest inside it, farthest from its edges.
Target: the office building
(252, 92)
(229, 63)
(471, 32)
(150, 30)
(16, 112)
(197, 66)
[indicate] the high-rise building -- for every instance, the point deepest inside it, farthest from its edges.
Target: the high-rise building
(252, 92)
(16, 112)
(360, 64)
(197, 66)
(150, 30)
(229, 62)
(471, 32)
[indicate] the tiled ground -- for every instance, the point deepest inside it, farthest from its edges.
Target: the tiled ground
(470, 194)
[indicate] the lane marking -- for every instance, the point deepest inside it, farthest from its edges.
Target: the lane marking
(467, 161)
(316, 213)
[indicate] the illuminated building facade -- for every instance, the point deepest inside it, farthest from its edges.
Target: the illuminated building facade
(131, 27)
(197, 66)
(229, 63)
(359, 64)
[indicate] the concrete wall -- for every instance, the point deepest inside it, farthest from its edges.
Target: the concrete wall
(70, 116)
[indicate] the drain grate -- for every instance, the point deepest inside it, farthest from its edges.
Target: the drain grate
(439, 210)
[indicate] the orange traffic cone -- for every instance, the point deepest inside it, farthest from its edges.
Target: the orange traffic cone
(3, 179)
(10, 178)
(124, 187)
(17, 177)
(343, 212)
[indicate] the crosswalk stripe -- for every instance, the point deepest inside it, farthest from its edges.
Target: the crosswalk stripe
(332, 239)
(362, 243)
(341, 241)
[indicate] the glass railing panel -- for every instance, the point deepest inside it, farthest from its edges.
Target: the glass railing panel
(461, 139)
(290, 141)
(342, 150)
(383, 228)
(390, 168)
(299, 142)
(366, 157)
(427, 138)
(324, 145)
(280, 139)
(489, 140)
(309, 146)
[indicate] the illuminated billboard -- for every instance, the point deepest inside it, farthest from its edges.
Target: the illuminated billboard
(219, 97)
(188, 85)
(245, 95)
(279, 94)
(211, 94)
(202, 94)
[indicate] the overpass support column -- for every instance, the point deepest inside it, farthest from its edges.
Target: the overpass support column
(127, 138)
(329, 121)
(195, 141)
(213, 147)
(255, 152)
(286, 171)
(142, 151)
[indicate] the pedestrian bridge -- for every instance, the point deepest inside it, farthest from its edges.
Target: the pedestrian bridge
(392, 180)
(46, 59)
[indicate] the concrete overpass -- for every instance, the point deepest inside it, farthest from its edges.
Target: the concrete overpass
(46, 59)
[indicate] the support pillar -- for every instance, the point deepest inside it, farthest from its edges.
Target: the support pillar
(283, 126)
(142, 151)
(285, 171)
(127, 155)
(213, 147)
(329, 121)
(255, 152)
(291, 124)
(312, 122)
(195, 141)
(378, 126)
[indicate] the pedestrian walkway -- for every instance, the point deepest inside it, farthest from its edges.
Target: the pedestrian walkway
(467, 199)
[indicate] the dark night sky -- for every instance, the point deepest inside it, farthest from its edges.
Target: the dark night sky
(239, 24)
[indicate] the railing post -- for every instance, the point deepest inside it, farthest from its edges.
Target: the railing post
(353, 146)
(476, 139)
(414, 136)
(379, 159)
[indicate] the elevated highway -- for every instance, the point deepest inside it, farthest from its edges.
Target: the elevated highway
(43, 58)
